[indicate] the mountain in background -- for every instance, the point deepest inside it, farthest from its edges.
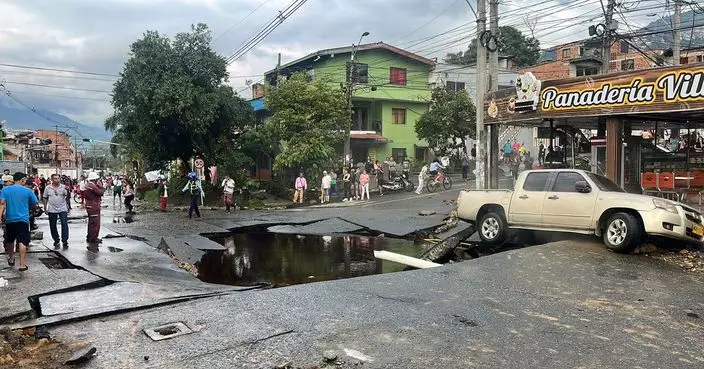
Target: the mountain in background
(17, 116)
(693, 36)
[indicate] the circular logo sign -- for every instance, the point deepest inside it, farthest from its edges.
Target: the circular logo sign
(200, 163)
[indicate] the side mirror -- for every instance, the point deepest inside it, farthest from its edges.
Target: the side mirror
(582, 187)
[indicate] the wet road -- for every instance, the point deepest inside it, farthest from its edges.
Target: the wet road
(561, 305)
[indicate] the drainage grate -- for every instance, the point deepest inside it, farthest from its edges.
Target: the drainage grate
(167, 331)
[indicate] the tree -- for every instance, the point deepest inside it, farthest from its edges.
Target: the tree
(171, 100)
(310, 118)
(449, 121)
(524, 50)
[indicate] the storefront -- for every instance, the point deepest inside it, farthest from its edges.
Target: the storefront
(649, 122)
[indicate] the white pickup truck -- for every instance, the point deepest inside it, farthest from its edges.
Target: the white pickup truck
(567, 200)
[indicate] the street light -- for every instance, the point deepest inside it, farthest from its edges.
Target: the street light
(350, 88)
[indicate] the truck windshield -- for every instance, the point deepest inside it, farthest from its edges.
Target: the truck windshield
(604, 183)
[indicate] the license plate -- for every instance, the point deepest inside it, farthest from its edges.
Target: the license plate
(698, 230)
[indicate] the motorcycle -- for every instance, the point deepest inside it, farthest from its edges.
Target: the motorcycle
(399, 183)
(440, 179)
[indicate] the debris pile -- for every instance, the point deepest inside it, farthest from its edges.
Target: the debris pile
(29, 348)
(688, 259)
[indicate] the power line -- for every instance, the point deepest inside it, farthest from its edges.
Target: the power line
(265, 31)
(58, 96)
(56, 87)
(55, 76)
(428, 22)
(57, 70)
(241, 20)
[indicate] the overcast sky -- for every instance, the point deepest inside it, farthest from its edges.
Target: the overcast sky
(94, 35)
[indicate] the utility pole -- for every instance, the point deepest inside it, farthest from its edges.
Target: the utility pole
(481, 90)
(608, 38)
(493, 146)
(676, 48)
(351, 79)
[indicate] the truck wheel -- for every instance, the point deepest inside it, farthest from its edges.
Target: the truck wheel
(622, 233)
(492, 228)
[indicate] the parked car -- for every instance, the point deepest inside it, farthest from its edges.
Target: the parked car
(577, 201)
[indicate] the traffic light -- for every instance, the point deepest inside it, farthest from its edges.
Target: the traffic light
(87, 140)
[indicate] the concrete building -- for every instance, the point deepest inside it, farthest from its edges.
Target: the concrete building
(391, 92)
(44, 151)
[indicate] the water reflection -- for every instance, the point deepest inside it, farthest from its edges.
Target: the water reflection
(285, 259)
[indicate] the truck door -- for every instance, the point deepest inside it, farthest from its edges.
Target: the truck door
(527, 202)
(565, 207)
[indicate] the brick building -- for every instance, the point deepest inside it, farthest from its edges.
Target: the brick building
(583, 58)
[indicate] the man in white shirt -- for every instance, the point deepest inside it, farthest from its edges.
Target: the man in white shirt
(228, 189)
(326, 184)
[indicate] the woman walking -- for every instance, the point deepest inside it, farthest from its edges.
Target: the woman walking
(128, 195)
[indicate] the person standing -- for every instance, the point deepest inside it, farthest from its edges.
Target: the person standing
(508, 150)
(128, 196)
(465, 167)
(379, 177)
(116, 190)
(422, 178)
(94, 196)
(163, 191)
(82, 188)
(357, 183)
(228, 189)
(326, 185)
(55, 205)
(347, 185)
(364, 183)
(299, 188)
(541, 155)
(15, 204)
(195, 191)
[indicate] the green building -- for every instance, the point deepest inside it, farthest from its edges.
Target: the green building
(390, 92)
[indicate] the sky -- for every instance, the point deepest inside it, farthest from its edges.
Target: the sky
(94, 36)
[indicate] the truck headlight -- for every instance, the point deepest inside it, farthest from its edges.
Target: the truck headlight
(665, 205)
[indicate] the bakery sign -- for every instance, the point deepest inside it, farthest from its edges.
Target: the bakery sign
(654, 90)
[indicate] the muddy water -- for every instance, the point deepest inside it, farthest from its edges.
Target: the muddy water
(285, 259)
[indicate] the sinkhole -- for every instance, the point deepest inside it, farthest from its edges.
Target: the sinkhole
(287, 259)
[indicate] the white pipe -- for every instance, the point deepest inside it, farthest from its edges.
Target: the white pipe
(406, 260)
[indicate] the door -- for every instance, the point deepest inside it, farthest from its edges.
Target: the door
(527, 202)
(564, 207)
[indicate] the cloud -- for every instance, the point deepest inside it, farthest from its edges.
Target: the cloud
(95, 36)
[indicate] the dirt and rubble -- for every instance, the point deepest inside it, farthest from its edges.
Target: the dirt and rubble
(689, 258)
(25, 349)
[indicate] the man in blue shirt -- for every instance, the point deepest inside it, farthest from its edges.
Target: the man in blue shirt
(15, 203)
(508, 151)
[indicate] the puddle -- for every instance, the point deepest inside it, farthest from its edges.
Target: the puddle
(287, 259)
(55, 263)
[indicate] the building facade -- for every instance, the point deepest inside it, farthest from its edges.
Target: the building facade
(390, 93)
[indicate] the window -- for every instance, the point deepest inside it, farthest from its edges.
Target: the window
(604, 183)
(586, 71)
(536, 181)
(700, 58)
(627, 64)
(359, 72)
(451, 86)
(397, 76)
(566, 53)
(566, 182)
(623, 47)
(398, 116)
(399, 155)
(581, 51)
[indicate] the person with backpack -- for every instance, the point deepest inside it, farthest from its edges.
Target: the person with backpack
(195, 190)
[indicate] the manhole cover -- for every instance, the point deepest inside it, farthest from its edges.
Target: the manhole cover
(167, 331)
